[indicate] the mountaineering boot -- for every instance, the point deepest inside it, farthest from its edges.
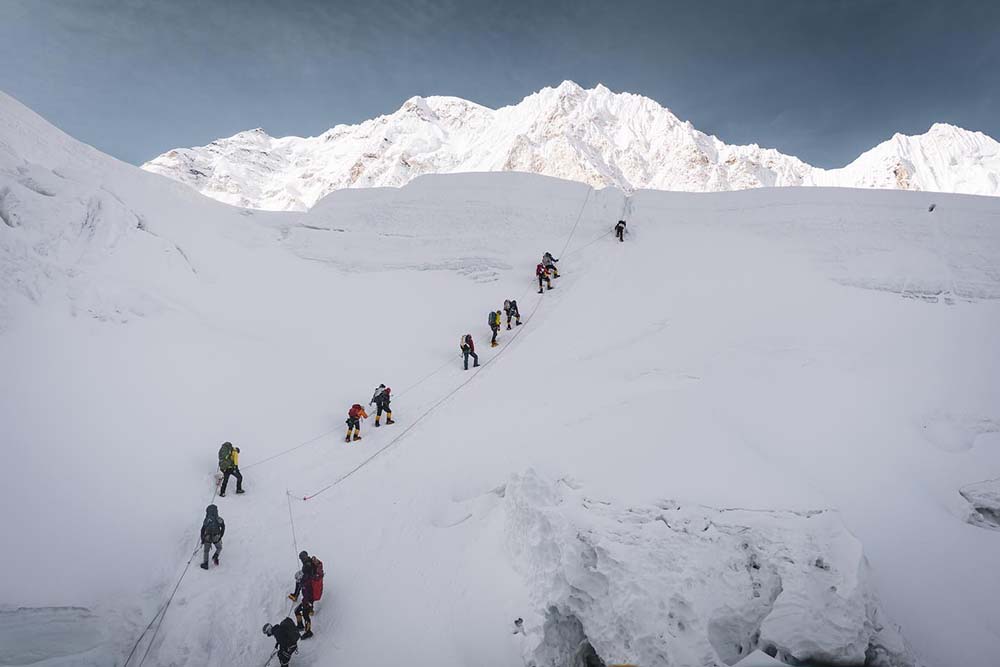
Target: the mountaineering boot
(390, 420)
(540, 290)
(376, 423)
(550, 286)
(299, 624)
(348, 438)
(204, 566)
(357, 437)
(215, 559)
(307, 634)
(508, 327)
(519, 323)
(222, 494)
(494, 344)
(239, 491)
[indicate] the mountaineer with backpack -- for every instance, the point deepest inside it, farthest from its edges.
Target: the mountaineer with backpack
(212, 530)
(381, 400)
(620, 231)
(510, 307)
(354, 417)
(494, 322)
(550, 264)
(229, 459)
(468, 349)
(543, 274)
(308, 581)
(286, 639)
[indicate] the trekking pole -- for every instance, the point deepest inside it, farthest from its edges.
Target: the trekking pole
(273, 653)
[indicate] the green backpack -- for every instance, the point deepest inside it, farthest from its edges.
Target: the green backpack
(226, 456)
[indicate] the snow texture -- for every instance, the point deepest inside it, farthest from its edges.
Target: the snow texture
(667, 584)
(594, 136)
(823, 358)
(985, 500)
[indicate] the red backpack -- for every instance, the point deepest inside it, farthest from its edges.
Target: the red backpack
(317, 580)
(355, 411)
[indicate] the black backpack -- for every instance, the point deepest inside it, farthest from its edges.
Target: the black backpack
(212, 527)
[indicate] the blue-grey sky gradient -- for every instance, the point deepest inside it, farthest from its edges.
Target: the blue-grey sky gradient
(820, 79)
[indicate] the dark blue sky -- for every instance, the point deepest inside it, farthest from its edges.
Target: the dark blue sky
(819, 79)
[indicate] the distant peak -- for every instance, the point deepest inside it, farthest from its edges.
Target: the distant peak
(256, 133)
(417, 104)
(571, 87)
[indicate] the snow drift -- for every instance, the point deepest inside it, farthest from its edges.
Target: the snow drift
(823, 358)
(593, 136)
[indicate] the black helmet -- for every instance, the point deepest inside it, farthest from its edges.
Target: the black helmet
(303, 555)
(212, 510)
(267, 629)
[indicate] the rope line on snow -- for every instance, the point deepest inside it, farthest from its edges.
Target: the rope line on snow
(291, 521)
(159, 614)
(575, 224)
(292, 449)
(332, 430)
(424, 414)
(454, 391)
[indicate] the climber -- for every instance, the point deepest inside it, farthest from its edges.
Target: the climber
(381, 400)
(212, 530)
(510, 307)
(308, 581)
(620, 230)
(229, 459)
(550, 264)
(542, 274)
(494, 322)
(354, 417)
(468, 349)
(286, 639)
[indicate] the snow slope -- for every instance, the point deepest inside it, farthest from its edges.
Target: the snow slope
(694, 439)
(593, 136)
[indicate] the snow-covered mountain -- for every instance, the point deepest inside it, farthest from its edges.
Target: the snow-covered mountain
(767, 422)
(594, 136)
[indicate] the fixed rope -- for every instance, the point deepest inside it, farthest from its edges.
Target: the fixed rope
(575, 224)
(332, 430)
(291, 521)
(426, 412)
(454, 391)
(159, 615)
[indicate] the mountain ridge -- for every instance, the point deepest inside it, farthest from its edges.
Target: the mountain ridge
(594, 136)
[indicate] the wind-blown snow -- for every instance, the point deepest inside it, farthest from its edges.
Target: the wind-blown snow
(813, 370)
(593, 136)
